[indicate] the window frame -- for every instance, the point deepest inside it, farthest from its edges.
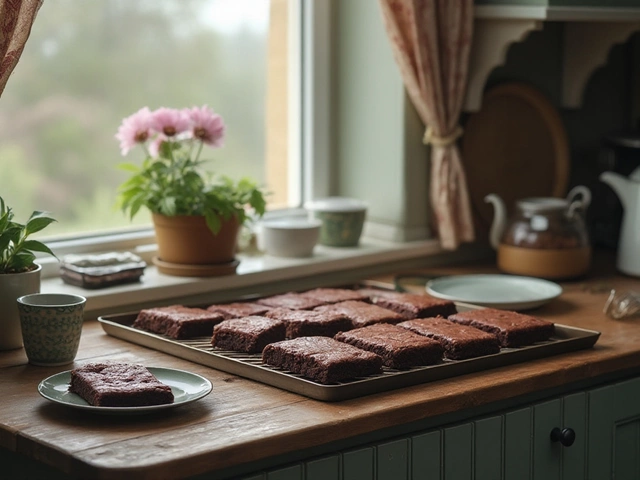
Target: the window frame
(309, 56)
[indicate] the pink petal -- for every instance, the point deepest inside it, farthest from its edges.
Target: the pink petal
(134, 129)
(170, 121)
(207, 126)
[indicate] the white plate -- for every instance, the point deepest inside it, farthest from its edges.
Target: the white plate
(186, 387)
(498, 291)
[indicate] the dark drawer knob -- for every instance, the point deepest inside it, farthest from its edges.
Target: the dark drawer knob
(565, 436)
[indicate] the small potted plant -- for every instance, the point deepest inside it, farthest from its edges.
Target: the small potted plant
(196, 215)
(19, 274)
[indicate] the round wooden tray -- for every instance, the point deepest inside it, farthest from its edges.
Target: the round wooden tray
(516, 146)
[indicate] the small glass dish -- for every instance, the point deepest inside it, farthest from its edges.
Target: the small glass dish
(102, 270)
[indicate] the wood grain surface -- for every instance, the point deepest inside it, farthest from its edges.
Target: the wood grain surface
(516, 146)
(243, 421)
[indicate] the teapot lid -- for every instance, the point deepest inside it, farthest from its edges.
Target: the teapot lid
(542, 204)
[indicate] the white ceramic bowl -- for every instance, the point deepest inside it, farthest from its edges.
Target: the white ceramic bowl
(289, 237)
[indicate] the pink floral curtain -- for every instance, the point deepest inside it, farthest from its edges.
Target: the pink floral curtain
(16, 19)
(431, 40)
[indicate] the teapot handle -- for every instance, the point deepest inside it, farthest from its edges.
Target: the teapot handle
(577, 203)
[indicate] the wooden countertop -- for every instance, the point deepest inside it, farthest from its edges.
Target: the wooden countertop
(243, 421)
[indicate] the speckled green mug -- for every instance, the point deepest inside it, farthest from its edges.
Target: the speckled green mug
(342, 220)
(51, 325)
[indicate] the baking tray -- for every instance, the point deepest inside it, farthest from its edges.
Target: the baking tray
(199, 350)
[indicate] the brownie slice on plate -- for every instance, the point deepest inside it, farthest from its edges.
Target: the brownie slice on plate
(119, 385)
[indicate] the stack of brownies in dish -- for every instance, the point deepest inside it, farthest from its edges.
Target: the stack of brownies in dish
(331, 335)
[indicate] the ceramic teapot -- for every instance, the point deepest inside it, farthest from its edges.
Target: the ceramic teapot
(628, 190)
(545, 237)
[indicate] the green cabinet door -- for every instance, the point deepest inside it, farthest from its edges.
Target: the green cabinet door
(614, 432)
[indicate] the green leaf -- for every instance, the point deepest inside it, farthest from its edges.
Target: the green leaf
(213, 222)
(38, 221)
(36, 246)
(21, 262)
(16, 252)
(129, 167)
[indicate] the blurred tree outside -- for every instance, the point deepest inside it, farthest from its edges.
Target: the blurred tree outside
(89, 64)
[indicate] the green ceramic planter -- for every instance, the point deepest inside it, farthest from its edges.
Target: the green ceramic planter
(342, 220)
(51, 327)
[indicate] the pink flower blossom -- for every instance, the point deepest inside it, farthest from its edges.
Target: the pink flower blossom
(134, 129)
(170, 121)
(156, 143)
(206, 126)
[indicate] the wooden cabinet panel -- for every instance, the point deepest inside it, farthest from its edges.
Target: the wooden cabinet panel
(613, 449)
(512, 445)
(393, 460)
(458, 452)
(426, 454)
(574, 415)
(293, 472)
(323, 469)
(518, 432)
(358, 464)
(488, 448)
(546, 454)
(600, 441)
(626, 433)
(626, 461)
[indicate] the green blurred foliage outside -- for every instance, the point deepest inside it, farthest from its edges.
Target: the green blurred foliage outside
(89, 64)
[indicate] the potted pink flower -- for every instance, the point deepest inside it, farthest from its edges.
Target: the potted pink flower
(172, 185)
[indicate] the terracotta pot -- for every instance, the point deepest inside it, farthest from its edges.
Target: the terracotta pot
(13, 286)
(186, 240)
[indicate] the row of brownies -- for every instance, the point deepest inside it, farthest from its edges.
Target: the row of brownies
(330, 335)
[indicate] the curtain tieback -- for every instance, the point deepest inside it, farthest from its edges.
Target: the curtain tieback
(431, 139)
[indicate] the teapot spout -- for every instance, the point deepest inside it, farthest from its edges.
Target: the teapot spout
(499, 219)
(621, 185)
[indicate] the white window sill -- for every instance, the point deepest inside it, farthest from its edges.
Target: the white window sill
(256, 275)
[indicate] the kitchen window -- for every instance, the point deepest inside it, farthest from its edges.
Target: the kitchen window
(85, 67)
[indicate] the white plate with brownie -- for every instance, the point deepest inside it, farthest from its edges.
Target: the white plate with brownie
(124, 389)
(509, 292)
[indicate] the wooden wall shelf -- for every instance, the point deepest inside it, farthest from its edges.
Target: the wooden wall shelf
(590, 33)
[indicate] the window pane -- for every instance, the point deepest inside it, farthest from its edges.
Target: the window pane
(87, 65)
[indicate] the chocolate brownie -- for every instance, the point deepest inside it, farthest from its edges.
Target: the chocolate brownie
(362, 314)
(334, 295)
(373, 293)
(412, 305)
(398, 347)
(459, 341)
(238, 309)
(248, 334)
(119, 385)
(291, 300)
(512, 329)
(178, 321)
(309, 323)
(322, 359)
